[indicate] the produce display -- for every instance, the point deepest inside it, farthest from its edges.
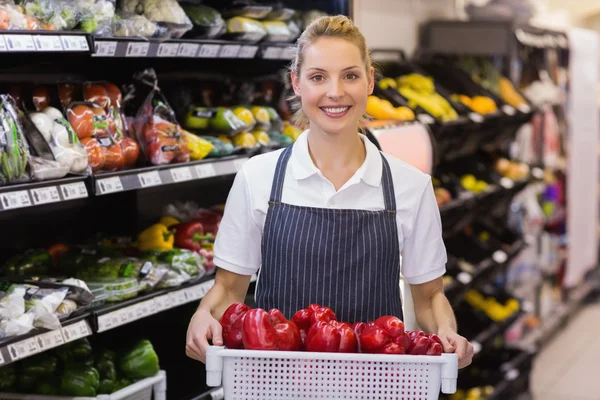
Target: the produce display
(77, 369)
(382, 109)
(511, 169)
(480, 104)
(470, 183)
(491, 307)
(316, 329)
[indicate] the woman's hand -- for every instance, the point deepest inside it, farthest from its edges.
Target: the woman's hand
(454, 343)
(202, 328)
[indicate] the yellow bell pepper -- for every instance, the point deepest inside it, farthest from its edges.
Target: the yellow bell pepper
(156, 237)
(199, 148)
(168, 221)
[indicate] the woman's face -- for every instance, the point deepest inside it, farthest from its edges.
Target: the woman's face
(333, 84)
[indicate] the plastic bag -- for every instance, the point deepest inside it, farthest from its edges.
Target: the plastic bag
(133, 25)
(95, 16)
(167, 13)
(66, 148)
(277, 31)
(199, 148)
(43, 304)
(59, 15)
(12, 17)
(14, 152)
(208, 22)
(245, 29)
(91, 125)
(157, 129)
(109, 97)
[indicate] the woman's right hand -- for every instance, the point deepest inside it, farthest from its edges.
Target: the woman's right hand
(202, 328)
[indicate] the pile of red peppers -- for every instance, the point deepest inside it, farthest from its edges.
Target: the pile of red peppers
(316, 329)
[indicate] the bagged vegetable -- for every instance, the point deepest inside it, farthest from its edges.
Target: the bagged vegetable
(157, 129)
(133, 25)
(167, 13)
(14, 152)
(59, 15)
(43, 303)
(199, 148)
(95, 16)
(278, 31)
(208, 22)
(92, 127)
(12, 17)
(245, 29)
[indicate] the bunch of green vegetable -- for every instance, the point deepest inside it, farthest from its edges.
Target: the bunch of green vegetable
(14, 153)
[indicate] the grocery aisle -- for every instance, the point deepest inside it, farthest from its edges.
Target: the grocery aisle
(567, 367)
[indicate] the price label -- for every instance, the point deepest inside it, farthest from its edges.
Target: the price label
(24, 348)
(124, 316)
(75, 43)
(499, 256)
(180, 297)
(272, 53)
(50, 340)
(48, 43)
(45, 195)
(144, 309)
(181, 174)
(76, 331)
(135, 49)
(476, 347)
(16, 199)
(1, 358)
(205, 171)
(3, 44)
(239, 163)
(464, 278)
(537, 173)
(162, 302)
(188, 49)
(168, 49)
(19, 43)
(74, 191)
(209, 50)
(105, 322)
(248, 52)
(524, 108)
(507, 183)
(109, 185)
(477, 118)
(148, 179)
(426, 119)
(508, 110)
(106, 49)
(288, 53)
(230, 51)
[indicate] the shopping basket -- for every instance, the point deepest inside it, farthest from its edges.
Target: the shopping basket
(277, 375)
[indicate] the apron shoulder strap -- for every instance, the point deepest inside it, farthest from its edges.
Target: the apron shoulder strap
(389, 195)
(277, 187)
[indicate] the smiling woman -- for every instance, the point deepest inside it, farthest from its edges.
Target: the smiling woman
(325, 221)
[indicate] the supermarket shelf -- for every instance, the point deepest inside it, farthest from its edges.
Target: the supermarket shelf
(164, 175)
(516, 377)
(135, 47)
(38, 193)
(38, 341)
(45, 42)
(481, 342)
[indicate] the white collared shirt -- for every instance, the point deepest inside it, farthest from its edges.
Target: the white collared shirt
(238, 242)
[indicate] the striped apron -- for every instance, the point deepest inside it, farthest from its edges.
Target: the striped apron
(345, 259)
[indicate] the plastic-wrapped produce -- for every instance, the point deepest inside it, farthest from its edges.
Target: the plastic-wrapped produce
(167, 13)
(14, 152)
(95, 16)
(59, 15)
(245, 29)
(208, 23)
(13, 17)
(133, 25)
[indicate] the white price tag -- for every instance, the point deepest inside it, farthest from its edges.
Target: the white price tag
(230, 51)
(148, 179)
(537, 173)
(74, 191)
(180, 297)
(16, 199)
(76, 331)
(1, 358)
(209, 50)
(48, 43)
(188, 50)
(507, 183)
(524, 108)
(168, 49)
(19, 43)
(75, 43)
(2, 44)
(137, 49)
(272, 53)
(239, 163)
(181, 174)
(508, 110)
(499, 256)
(477, 118)
(104, 322)
(106, 49)
(248, 52)
(163, 302)
(109, 185)
(464, 278)
(476, 347)
(426, 119)
(45, 195)
(205, 171)
(24, 348)
(50, 340)
(145, 308)
(288, 53)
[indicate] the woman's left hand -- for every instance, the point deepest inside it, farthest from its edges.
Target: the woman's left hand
(454, 343)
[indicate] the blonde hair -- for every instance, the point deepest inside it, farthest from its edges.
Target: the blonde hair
(338, 26)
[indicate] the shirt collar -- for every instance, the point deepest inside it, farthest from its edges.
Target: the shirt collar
(303, 166)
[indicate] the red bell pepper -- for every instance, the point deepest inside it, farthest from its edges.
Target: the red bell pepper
(373, 339)
(231, 323)
(307, 317)
(269, 331)
(421, 344)
(189, 236)
(395, 329)
(358, 328)
(392, 348)
(331, 337)
(288, 334)
(435, 349)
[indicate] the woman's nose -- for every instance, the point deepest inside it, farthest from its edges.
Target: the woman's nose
(335, 90)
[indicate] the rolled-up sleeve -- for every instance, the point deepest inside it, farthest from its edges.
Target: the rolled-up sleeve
(424, 254)
(238, 242)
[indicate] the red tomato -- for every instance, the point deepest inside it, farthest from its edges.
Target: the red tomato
(41, 98)
(131, 151)
(66, 92)
(115, 160)
(81, 118)
(95, 93)
(96, 153)
(114, 94)
(161, 150)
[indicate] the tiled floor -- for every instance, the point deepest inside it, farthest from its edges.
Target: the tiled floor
(568, 368)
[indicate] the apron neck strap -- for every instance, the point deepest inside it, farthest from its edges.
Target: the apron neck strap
(389, 195)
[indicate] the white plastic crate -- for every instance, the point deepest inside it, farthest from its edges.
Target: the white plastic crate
(276, 375)
(142, 390)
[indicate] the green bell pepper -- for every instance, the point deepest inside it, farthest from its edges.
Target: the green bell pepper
(121, 384)
(80, 382)
(140, 362)
(107, 386)
(42, 365)
(47, 387)
(8, 377)
(79, 350)
(107, 369)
